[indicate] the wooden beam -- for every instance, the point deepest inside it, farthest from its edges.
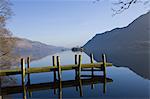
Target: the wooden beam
(51, 68)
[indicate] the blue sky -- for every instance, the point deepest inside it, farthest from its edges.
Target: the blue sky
(67, 23)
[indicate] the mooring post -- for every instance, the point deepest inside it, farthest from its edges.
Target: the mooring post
(104, 64)
(28, 67)
(79, 65)
(23, 77)
(104, 71)
(54, 64)
(59, 77)
(59, 68)
(76, 62)
(92, 70)
(23, 71)
(76, 74)
(92, 61)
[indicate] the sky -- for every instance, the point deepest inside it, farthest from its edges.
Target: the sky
(67, 23)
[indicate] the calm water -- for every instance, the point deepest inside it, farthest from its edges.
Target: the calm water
(126, 84)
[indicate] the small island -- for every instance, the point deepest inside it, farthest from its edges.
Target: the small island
(76, 49)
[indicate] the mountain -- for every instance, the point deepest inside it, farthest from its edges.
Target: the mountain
(128, 46)
(34, 49)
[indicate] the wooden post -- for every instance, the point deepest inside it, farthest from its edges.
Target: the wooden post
(59, 77)
(104, 72)
(59, 68)
(92, 71)
(76, 62)
(76, 73)
(23, 71)
(104, 64)
(54, 64)
(23, 77)
(28, 67)
(79, 65)
(92, 61)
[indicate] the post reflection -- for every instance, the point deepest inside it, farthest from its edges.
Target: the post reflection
(24, 94)
(79, 82)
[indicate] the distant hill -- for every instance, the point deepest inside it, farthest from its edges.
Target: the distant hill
(128, 46)
(34, 49)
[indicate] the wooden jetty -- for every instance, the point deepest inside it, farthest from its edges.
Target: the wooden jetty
(57, 68)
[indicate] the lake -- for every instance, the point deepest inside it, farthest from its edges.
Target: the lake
(125, 83)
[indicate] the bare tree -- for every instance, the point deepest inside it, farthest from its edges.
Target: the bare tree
(6, 41)
(5, 11)
(120, 6)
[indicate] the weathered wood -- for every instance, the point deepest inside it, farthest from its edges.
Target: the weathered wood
(76, 62)
(23, 71)
(79, 65)
(54, 64)
(76, 59)
(104, 64)
(104, 72)
(92, 61)
(28, 67)
(92, 71)
(51, 68)
(59, 68)
(91, 58)
(76, 72)
(52, 85)
(95, 69)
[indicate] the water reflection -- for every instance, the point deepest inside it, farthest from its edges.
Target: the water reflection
(128, 46)
(137, 62)
(57, 85)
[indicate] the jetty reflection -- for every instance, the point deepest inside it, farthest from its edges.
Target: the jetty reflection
(57, 86)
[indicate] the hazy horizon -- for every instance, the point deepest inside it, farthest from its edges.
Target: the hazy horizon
(67, 23)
